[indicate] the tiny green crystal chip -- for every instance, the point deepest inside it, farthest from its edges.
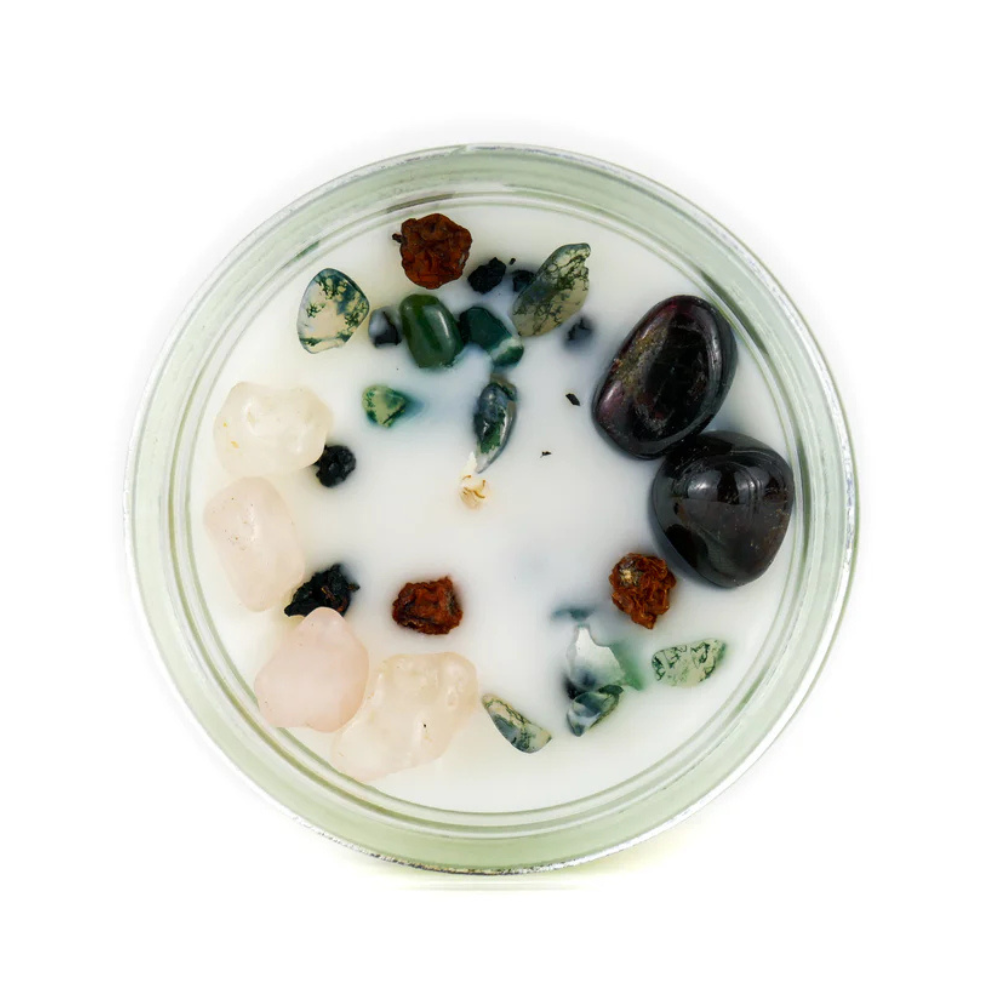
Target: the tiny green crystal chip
(332, 308)
(688, 665)
(591, 665)
(555, 293)
(384, 405)
(493, 420)
(519, 732)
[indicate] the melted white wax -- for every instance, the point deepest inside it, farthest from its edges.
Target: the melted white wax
(548, 536)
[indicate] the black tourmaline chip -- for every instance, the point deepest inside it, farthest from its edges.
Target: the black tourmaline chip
(573, 398)
(520, 279)
(382, 332)
(487, 276)
(579, 333)
(335, 464)
(329, 588)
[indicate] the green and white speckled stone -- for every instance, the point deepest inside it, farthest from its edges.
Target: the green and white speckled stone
(592, 666)
(493, 420)
(384, 405)
(521, 733)
(555, 293)
(591, 707)
(688, 665)
(332, 308)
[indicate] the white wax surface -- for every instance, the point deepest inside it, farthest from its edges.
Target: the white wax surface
(548, 536)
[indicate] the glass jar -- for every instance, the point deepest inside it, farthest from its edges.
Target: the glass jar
(767, 324)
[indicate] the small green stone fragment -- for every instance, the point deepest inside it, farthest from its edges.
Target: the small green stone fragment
(591, 707)
(688, 665)
(591, 665)
(480, 327)
(384, 405)
(430, 331)
(332, 308)
(519, 732)
(493, 420)
(556, 293)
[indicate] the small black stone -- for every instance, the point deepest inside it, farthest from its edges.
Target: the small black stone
(329, 588)
(519, 279)
(381, 330)
(513, 261)
(487, 276)
(579, 333)
(335, 464)
(544, 453)
(572, 397)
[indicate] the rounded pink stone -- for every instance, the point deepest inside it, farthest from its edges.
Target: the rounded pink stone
(317, 676)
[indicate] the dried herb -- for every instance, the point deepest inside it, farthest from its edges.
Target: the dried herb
(640, 586)
(329, 588)
(431, 607)
(434, 249)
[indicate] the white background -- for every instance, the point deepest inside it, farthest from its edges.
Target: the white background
(851, 145)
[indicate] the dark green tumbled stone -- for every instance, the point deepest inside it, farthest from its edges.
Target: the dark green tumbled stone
(723, 501)
(430, 331)
(481, 327)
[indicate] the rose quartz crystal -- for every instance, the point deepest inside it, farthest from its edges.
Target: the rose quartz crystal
(255, 539)
(317, 677)
(262, 431)
(413, 708)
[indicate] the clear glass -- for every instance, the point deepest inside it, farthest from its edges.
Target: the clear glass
(159, 518)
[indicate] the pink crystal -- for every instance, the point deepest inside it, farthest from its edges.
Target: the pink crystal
(414, 707)
(317, 677)
(255, 539)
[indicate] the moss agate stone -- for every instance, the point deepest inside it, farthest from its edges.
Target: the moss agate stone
(521, 733)
(722, 501)
(688, 665)
(555, 293)
(332, 308)
(591, 707)
(384, 405)
(481, 327)
(430, 331)
(493, 420)
(668, 379)
(591, 665)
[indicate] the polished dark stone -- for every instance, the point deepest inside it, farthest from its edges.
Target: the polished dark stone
(669, 378)
(722, 501)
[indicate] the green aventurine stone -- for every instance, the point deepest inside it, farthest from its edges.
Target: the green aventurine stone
(555, 293)
(332, 308)
(493, 420)
(688, 665)
(480, 327)
(430, 331)
(591, 707)
(384, 406)
(519, 732)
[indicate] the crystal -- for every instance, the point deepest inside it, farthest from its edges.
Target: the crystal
(262, 431)
(669, 377)
(254, 537)
(591, 665)
(723, 502)
(480, 327)
(382, 330)
(487, 276)
(493, 420)
(335, 464)
(521, 733)
(433, 249)
(430, 331)
(384, 405)
(317, 676)
(556, 293)
(689, 664)
(332, 308)
(329, 588)
(640, 586)
(591, 707)
(414, 707)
